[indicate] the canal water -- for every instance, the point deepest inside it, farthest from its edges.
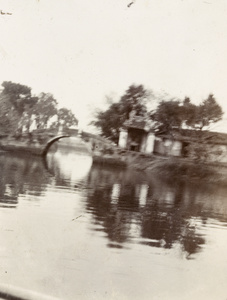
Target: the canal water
(75, 230)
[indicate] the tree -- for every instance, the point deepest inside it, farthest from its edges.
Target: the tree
(111, 120)
(19, 110)
(190, 113)
(44, 110)
(65, 118)
(134, 100)
(16, 100)
(172, 116)
(209, 112)
(175, 114)
(18, 95)
(168, 116)
(5, 124)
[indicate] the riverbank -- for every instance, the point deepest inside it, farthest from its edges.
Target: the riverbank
(170, 168)
(21, 146)
(180, 170)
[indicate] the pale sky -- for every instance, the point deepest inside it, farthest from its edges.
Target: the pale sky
(82, 50)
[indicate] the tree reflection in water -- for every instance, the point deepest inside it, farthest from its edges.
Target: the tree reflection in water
(128, 206)
(132, 208)
(20, 176)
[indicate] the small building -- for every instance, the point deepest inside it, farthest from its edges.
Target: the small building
(138, 135)
(213, 145)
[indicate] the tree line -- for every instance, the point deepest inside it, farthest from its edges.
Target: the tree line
(20, 110)
(168, 116)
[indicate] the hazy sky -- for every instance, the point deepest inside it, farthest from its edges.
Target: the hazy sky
(82, 50)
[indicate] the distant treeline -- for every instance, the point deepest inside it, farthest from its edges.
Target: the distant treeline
(20, 111)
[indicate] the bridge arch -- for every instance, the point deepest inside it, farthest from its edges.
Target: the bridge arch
(51, 141)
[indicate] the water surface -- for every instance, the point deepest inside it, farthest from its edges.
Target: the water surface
(79, 231)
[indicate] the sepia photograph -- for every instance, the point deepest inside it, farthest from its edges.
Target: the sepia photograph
(113, 149)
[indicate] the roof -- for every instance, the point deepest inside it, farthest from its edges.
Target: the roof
(138, 122)
(188, 135)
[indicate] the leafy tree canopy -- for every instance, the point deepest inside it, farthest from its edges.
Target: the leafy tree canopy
(44, 110)
(175, 114)
(18, 95)
(65, 118)
(5, 123)
(111, 120)
(19, 109)
(15, 100)
(209, 111)
(168, 115)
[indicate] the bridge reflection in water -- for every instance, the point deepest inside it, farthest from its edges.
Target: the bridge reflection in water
(69, 159)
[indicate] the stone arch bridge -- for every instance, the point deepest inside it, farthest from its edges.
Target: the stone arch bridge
(80, 144)
(51, 142)
(39, 141)
(85, 140)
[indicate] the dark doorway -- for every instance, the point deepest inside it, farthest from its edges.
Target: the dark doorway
(185, 150)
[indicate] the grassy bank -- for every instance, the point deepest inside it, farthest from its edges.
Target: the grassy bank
(176, 169)
(16, 146)
(25, 143)
(169, 168)
(110, 161)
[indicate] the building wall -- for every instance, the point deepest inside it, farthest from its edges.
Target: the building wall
(218, 153)
(123, 138)
(167, 147)
(137, 140)
(176, 149)
(159, 147)
(150, 142)
(143, 143)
